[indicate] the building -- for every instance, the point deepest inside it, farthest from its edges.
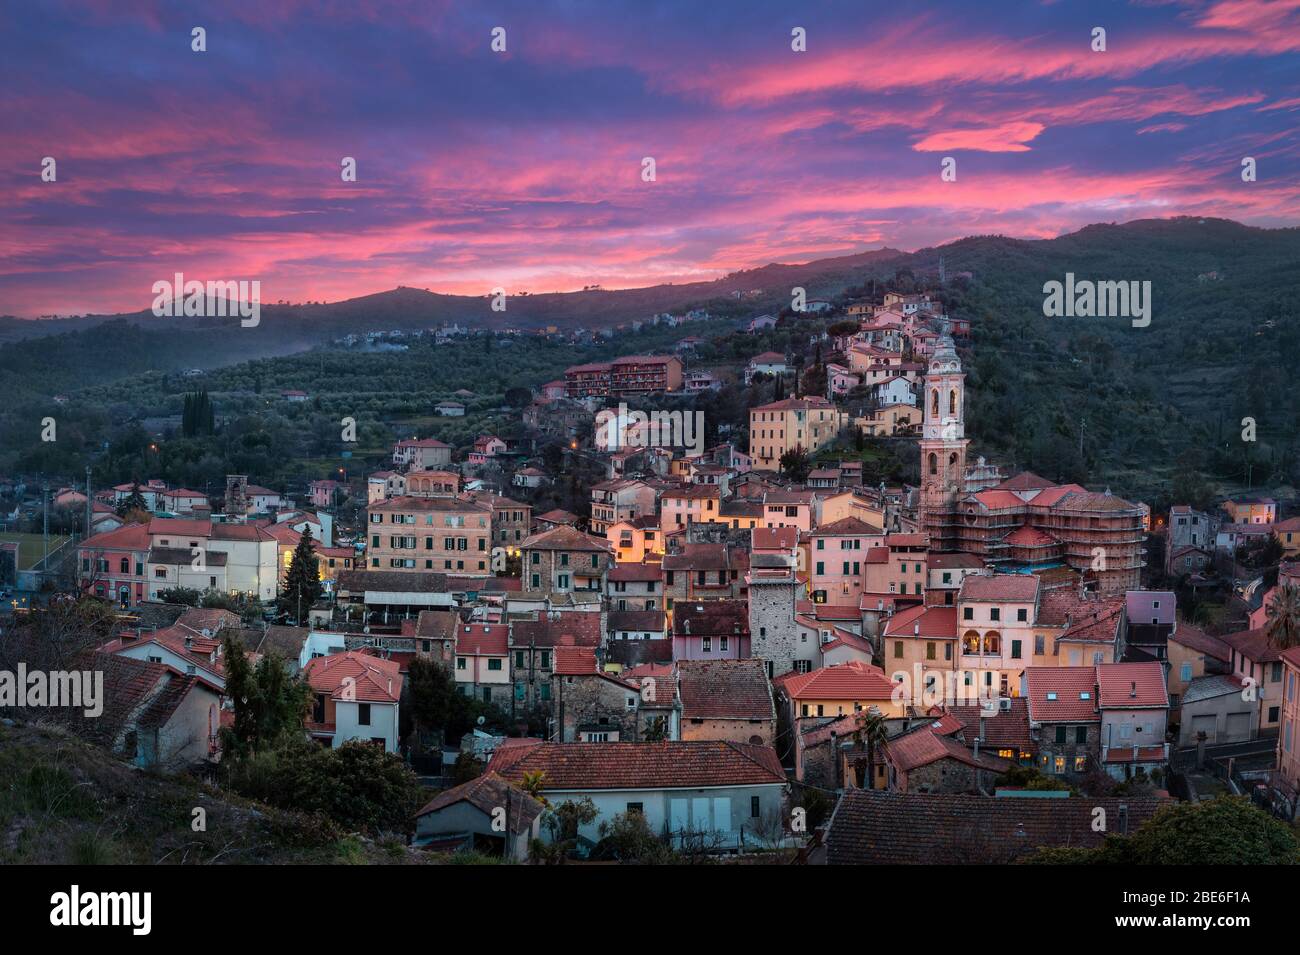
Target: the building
(706, 794)
(838, 553)
(442, 534)
(726, 700)
(808, 423)
(427, 454)
(113, 565)
(877, 828)
(482, 667)
(1251, 510)
(768, 363)
(623, 499)
(357, 698)
(1288, 744)
(635, 587)
(485, 815)
(592, 706)
(626, 376)
(711, 630)
(1258, 664)
(1214, 709)
(565, 560)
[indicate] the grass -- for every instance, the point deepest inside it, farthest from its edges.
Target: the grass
(31, 547)
(64, 801)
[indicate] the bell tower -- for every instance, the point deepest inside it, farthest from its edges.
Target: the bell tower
(943, 442)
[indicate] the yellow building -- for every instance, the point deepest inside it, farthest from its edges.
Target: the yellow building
(809, 423)
(889, 420)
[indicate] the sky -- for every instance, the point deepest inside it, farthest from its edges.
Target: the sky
(524, 169)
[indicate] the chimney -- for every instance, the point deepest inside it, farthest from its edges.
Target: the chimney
(916, 629)
(1133, 690)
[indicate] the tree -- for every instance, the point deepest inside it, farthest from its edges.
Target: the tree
(1223, 831)
(796, 464)
(180, 595)
(871, 731)
(268, 705)
(302, 586)
(1283, 626)
(134, 502)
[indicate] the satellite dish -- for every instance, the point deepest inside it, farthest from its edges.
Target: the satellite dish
(480, 721)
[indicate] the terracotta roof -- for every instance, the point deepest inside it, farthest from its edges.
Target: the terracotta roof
(1124, 685)
(653, 620)
(707, 557)
(631, 766)
(566, 538)
(558, 628)
(924, 746)
(126, 537)
(874, 827)
(923, 622)
(1022, 588)
(845, 681)
(725, 689)
(774, 538)
(1002, 729)
(635, 572)
(1027, 536)
(1062, 694)
(1194, 638)
(487, 793)
(847, 526)
(1253, 645)
(1025, 481)
(372, 680)
(575, 661)
(482, 639)
(711, 618)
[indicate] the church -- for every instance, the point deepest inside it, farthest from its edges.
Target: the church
(1026, 523)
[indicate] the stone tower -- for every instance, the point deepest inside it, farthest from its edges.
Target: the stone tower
(943, 442)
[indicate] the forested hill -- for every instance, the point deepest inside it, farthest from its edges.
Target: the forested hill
(1156, 406)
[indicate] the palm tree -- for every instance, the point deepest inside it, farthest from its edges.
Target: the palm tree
(533, 783)
(1283, 627)
(872, 732)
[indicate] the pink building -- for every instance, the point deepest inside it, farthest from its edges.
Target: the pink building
(113, 565)
(838, 558)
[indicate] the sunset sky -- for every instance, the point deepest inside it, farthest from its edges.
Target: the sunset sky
(523, 169)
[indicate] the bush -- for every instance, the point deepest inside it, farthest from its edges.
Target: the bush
(357, 786)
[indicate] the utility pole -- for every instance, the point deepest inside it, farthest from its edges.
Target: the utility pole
(45, 525)
(89, 511)
(1082, 424)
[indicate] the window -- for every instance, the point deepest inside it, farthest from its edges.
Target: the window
(460, 663)
(755, 807)
(1015, 649)
(995, 613)
(1081, 734)
(1022, 615)
(635, 809)
(494, 663)
(363, 714)
(898, 649)
(968, 613)
(1060, 735)
(1185, 672)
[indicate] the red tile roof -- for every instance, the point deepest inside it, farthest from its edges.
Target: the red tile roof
(1253, 645)
(1124, 685)
(373, 680)
(1062, 694)
(935, 623)
(631, 766)
(845, 681)
(482, 639)
(575, 661)
(872, 827)
(1010, 587)
(566, 538)
(725, 689)
(926, 745)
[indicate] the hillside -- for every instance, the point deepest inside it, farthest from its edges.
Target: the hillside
(67, 802)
